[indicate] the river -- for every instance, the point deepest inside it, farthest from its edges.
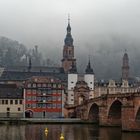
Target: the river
(71, 132)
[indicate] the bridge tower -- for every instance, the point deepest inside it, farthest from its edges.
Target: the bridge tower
(72, 80)
(89, 79)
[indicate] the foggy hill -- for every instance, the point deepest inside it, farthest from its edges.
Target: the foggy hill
(105, 53)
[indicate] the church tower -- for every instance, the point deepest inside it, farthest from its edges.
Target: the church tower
(68, 50)
(125, 67)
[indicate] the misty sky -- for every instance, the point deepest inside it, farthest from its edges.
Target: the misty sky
(96, 24)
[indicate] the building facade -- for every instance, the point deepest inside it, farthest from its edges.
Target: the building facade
(44, 97)
(113, 87)
(11, 101)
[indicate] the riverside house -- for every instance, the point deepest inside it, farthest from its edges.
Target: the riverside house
(11, 101)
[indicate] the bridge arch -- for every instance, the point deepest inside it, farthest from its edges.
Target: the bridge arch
(115, 113)
(93, 114)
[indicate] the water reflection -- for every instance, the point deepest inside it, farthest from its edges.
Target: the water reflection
(71, 132)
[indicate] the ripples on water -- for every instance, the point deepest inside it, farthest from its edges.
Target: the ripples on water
(71, 132)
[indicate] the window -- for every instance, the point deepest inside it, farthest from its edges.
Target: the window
(33, 91)
(49, 98)
(39, 92)
(58, 105)
(54, 98)
(72, 82)
(49, 85)
(11, 101)
(49, 105)
(20, 101)
(2, 101)
(34, 98)
(34, 85)
(6, 102)
(28, 98)
(28, 105)
(54, 105)
(43, 105)
(54, 85)
(59, 98)
(39, 85)
(39, 105)
(8, 109)
(34, 105)
(71, 99)
(19, 109)
(44, 85)
(38, 98)
(16, 102)
(49, 91)
(29, 85)
(28, 91)
(90, 82)
(59, 85)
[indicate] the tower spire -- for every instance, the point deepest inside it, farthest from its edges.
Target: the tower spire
(89, 70)
(125, 66)
(68, 50)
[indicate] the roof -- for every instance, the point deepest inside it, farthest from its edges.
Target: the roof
(21, 75)
(10, 91)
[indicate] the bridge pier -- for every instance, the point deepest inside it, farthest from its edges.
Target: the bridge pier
(103, 116)
(106, 120)
(129, 122)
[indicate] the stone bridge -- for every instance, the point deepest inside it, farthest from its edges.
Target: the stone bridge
(122, 109)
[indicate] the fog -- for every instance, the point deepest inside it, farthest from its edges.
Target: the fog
(101, 29)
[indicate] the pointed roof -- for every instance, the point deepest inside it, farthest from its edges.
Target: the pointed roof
(68, 40)
(89, 70)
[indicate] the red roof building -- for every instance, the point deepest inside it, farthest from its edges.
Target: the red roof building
(44, 97)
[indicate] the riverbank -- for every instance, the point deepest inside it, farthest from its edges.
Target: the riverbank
(42, 121)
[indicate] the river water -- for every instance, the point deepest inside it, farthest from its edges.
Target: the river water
(71, 132)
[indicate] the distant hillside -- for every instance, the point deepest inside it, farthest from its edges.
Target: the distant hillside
(13, 53)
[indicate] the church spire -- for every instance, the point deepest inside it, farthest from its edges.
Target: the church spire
(68, 50)
(125, 66)
(68, 40)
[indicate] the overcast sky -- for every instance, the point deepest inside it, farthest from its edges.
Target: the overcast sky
(43, 22)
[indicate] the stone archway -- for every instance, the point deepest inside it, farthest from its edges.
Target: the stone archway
(28, 114)
(94, 113)
(115, 113)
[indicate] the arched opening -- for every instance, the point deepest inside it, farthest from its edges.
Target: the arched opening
(114, 114)
(138, 115)
(94, 113)
(28, 114)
